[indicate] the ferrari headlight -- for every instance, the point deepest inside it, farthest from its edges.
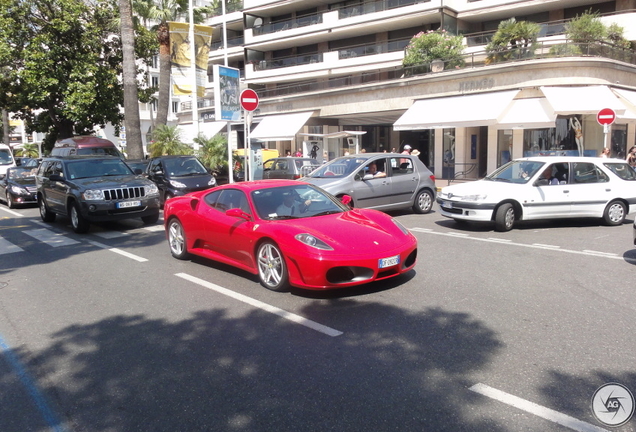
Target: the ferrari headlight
(93, 195)
(313, 241)
(177, 184)
(400, 226)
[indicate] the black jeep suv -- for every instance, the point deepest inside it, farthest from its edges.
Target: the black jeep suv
(94, 189)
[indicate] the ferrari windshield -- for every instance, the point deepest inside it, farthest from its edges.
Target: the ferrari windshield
(295, 202)
(517, 171)
(340, 167)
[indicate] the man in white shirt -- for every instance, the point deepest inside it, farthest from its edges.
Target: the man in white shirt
(289, 207)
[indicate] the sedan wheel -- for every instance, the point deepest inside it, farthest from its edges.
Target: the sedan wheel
(177, 240)
(272, 270)
(615, 213)
(505, 217)
(423, 202)
(10, 202)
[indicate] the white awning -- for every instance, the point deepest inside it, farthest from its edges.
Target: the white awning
(629, 99)
(534, 113)
(582, 100)
(483, 109)
(280, 127)
(208, 130)
(335, 135)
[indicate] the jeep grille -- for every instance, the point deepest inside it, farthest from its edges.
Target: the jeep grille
(124, 193)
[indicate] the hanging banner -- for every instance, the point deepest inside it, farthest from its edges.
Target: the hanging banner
(226, 93)
(180, 57)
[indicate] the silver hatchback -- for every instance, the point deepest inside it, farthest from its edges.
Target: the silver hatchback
(382, 181)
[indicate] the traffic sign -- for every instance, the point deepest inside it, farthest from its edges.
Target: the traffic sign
(606, 116)
(249, 100)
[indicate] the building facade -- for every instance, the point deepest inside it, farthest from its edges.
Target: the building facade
(324, 68)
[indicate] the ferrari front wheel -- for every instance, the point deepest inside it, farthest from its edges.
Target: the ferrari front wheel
(272, 270)
(177, 240)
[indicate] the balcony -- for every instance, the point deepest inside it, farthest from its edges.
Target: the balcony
(376, 6)
(303, 21)
(283, 62)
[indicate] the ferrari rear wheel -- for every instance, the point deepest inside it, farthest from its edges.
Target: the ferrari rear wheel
(177, 240)
(272, 270)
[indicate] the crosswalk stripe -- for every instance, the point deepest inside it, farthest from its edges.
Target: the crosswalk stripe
(51, 238)
(6, 247)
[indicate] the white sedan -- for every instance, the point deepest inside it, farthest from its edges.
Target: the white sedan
(545, 188)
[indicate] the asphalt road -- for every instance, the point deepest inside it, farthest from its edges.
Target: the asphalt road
(491, 332)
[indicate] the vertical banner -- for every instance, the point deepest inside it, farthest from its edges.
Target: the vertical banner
(180, 57)
(226, 93)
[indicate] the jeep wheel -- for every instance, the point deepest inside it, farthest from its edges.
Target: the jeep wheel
(80, 225)
(45, 213)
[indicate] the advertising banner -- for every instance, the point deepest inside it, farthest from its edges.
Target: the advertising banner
(227, 89)
(180, 57)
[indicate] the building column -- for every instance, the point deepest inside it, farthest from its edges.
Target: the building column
(493, 154)
(517, 143)
(439, 152)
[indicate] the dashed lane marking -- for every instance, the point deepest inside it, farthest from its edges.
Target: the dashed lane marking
(264, 306)
(118, 251)
(14, 213)
(532, 246)
(6, 247)
(51, 238)
(538, 410)
(154, 228)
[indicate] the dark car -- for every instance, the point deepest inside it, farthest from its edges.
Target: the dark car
(137, 165)
(94, 189)
(18, 186)
(291, 168)
(382, 181)
(178, 175)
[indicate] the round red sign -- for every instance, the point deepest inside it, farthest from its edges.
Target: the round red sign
(606, 116)
(249, 100)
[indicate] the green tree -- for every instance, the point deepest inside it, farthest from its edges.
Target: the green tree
(586, 28)
(434, 45)
(29, 150)
(166, 140)
(213, 151)
(66, 64)
(513, 39)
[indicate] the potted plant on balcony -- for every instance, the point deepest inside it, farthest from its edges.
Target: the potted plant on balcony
(435, 47)
(513, 40)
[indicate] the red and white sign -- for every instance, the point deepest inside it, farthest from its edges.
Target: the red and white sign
(606, 116)
(249, 100)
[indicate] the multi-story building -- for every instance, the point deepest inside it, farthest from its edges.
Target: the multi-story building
(326, 71)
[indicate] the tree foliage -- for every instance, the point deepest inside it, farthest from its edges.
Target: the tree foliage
(425, 47)
(213, 151)
(513, 39)
(166, 140)
(65, 63)
(588, 28)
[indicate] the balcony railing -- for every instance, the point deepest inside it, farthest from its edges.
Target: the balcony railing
(375, 6)
(471, 61)
(231, 42)
(282, 62)
(277, 26)
(372, 49)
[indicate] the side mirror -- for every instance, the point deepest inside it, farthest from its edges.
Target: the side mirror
(346, 199)
(237, 212)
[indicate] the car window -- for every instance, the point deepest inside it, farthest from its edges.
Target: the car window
(268, 164)
(97, 168)
(623, 170)
(587, 172)
(230, 199)
(211, 198)
(5, 157)
(280, 165)
(183, 167)
(267, 201)
(517, 171)
(401, 166)
(340, 167)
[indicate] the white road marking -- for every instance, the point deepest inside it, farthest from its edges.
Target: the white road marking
(538, 410)
(14, 213)
(610, 254)
(110, 234)
(499, 240)
(117, 251)
(154, 228)
(546, 246)
(51, 238)
(264, 306)
(532, 246)
(6, 247)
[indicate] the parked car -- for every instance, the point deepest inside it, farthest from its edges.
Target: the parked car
(27, 162)
(402, 181)
(137, 165)
(291, 168)
(6, 159)
(94, 189)
(548, 187)
(325, 244)
(18, 186)
(178, 175)
(85, 145)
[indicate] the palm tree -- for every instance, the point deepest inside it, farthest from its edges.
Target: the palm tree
(212, 151)
(30, 150)
(134, 145)
(167, 141)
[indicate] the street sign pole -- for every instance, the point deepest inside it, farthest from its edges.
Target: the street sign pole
(606, 117)
(249, 102)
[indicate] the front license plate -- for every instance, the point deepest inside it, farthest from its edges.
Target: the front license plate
(389, 262)
(126, 204)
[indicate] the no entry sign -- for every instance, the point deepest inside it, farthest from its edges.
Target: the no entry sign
(249, 100)
(606, 116)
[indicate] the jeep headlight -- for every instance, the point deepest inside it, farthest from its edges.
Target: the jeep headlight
(93, 195)
(152, 189)
(177, 184)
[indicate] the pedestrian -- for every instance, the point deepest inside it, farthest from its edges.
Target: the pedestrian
(407, 149)
(605, 153)
(631, 157)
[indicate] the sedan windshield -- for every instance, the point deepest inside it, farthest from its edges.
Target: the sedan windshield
(184, 167)
(518, 171)
(340, 167)
(295, 202)
(21, 173)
